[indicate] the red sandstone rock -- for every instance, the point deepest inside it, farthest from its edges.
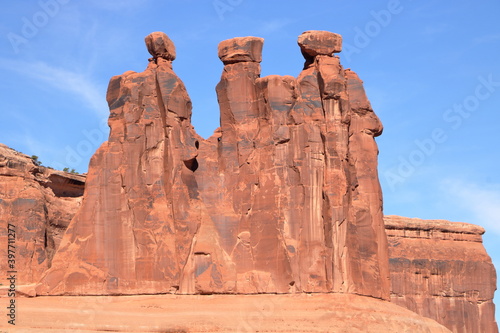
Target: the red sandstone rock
(38, 203)
(440, 270)
(314, 42)
(220, 313)
(141, 210)
(283, 198)
(241, 49)
(160, 46)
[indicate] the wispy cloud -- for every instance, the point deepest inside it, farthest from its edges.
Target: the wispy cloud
(481, 200)
(491, 38)
(436, 29)
(273, 26)
(80, 85)
(119, 5)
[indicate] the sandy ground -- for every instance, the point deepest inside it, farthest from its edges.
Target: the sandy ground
(214, 313)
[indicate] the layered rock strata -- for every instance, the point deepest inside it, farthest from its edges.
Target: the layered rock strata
(440, 270)
(36, 206)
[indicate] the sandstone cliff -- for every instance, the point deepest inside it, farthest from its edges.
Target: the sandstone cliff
(283, 198)
(440, 270)
(38, 203)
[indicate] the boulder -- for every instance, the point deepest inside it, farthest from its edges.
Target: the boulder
(314, 42)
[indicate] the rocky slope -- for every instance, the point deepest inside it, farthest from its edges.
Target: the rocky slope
(287, 313)
(440, 269)
(37, 204)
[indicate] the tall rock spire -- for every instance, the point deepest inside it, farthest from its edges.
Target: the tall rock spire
(134, 230)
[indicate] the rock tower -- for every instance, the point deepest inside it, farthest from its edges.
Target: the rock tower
(283, 198)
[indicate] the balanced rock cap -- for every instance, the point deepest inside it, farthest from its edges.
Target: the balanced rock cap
(160, 46)
(316, 42)
(241, 49)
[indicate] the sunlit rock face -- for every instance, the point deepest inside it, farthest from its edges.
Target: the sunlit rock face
(283, 198)
(440, 270)
(36, 206)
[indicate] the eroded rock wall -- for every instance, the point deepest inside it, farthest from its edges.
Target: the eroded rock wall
(441, 270)
(37, 204)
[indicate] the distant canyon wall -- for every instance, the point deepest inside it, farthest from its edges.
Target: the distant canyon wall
(36, 207)
(440, 270)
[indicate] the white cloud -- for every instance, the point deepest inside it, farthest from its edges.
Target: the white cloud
(62, 79)
(436, 29)
(119, 5)
(481, 200)
(491, 38)
(272, 26)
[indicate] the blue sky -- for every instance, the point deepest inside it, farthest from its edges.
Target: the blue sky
(430, 69)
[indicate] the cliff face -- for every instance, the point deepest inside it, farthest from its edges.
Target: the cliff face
(37, 204)
(440, 270)
(283, 198)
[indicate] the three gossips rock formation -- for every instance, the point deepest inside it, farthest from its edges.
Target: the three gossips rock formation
(283, 198)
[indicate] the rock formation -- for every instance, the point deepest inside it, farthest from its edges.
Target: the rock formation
(135, 229)
(284, 197)
(440, 270)
(38, 203)
(301, 215)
